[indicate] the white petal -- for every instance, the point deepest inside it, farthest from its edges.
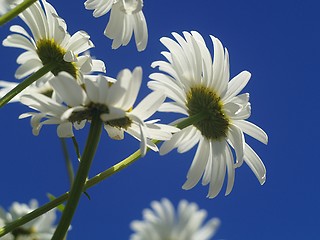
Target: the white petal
(198, 165)
(230, 170)
(28, 68)
(189, 141)
(64, 130)
(236, 85)
(236, 137)
(252, 130)
(218, 81)
(68, 89)
(218, 168)
(114, 133)
(140, 31)
(172, 107)
(149, 105)
(18, 41)
(255, 163)
(167, 146)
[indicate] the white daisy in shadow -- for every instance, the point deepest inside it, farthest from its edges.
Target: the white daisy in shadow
(113, 99)
(200, 88)
(126, 18)
(39, 228)
(50, 43)
(163, 222)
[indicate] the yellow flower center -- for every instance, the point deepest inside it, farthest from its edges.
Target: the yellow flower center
(50, 52)
(203, 100)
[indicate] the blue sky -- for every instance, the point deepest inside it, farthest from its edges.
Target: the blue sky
(277, 41)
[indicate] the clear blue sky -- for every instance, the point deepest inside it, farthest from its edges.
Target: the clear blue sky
(277, 41)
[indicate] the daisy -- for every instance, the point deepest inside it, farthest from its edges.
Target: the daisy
(126, 18)
(112, 99)
(164, 222)
(200, 88)
(50, 43)
(40, 228)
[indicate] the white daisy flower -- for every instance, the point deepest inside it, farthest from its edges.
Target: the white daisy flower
(112, 99)
(7, 5)
(133, 120)
(50, 43)
(41, 228)
(200, 87)
(126, 18)
(163, 222)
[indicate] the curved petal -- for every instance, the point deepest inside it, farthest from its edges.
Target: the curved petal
(255, 163)
(252, 130)
(236, 85)
(198, 165)
(236, 138)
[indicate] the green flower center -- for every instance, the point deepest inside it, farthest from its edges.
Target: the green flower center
(87, 114)
(50, 52)
(123, 123)
(202, 100)
(18, 232)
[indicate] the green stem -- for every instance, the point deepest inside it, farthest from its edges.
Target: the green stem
(34, 77)
(34, 214)
(76, 148)
(59, 200)
(16, 11)
(67, 160)
(81, 177)
(90, 183)
(191, 120)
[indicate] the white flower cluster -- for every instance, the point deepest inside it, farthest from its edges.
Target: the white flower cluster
(164, 222)
(41, 228)
(126, 18)
(198, 85)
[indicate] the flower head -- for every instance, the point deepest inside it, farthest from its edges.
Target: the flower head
(50, 43)
(163, 222)
(41, 228)
(76, 104)
(126, 18)
(200, 88)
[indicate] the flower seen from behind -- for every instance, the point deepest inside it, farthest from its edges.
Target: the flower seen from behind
(126, 18)
(41, 228)
(201, 90)
(49, 43)
(112, 99)
(163, 222)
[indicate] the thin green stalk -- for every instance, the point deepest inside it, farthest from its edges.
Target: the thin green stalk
(34, 214)
(191, 120)
(16, 11)
(90, 183)
(81, 177)
(34, 77)
(76, 148)
(59, 200)
(67, 160)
